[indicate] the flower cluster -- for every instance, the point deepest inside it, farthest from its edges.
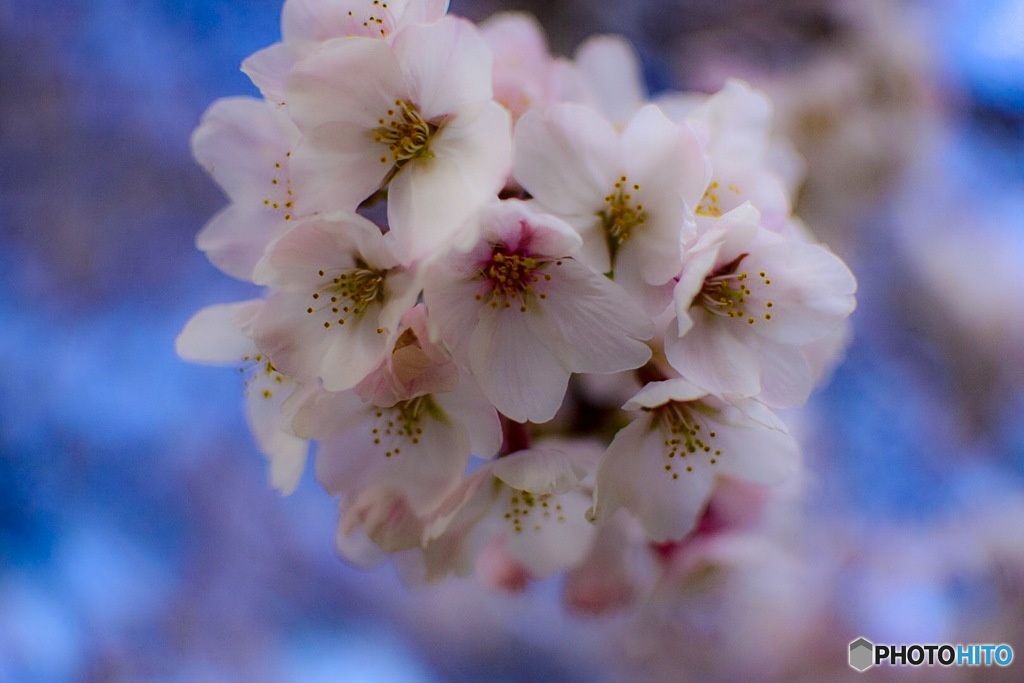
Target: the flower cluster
(473, 253)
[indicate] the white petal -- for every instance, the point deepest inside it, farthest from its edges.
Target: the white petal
(269, 69)
(751, 451)
(236, 238)
(466, 404)
(811, 289)
(219, 333)
(785, 375)
(271, 425)
(540, 470)
(337, 166)
(613, 75)
(566, 158)
(453, 311)
(431, 198)
(596, 326)
(240, 142)
(656, 394)
(516, 372)
(351, 80)
(447, 65)
(713, 357)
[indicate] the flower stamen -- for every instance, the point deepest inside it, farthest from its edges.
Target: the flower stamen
(620, 216)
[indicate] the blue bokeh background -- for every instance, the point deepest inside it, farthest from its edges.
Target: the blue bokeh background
(138, 537)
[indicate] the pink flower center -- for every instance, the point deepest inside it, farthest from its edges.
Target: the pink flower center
(512, 277)
(726, 290)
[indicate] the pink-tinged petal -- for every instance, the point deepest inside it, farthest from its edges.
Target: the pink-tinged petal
(432, 197)
(337, 166)
(566, 157)
(785, 375)
(236, 238)
(632, 474)
(751, 451)
(612, 72)
(553, 538)
(714, 358)
(243, 143)
(614, 572)
(656, 394)
(476, 415)
(540, 470)
(524, 227)
(385, 517)
(325, 414)
(453, 310)
(590, 322)
(269, 69)
(515, 370)
(348, 80)
(447, 65)
(219, 334)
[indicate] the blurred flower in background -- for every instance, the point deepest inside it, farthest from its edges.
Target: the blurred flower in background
(139, 538)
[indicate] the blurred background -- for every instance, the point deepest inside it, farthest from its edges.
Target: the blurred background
(140, 541)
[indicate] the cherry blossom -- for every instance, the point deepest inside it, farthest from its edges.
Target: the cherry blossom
(749, 163)
(246, 144)
(626, 194)
(307, 24)
(663, 465)
(522, 313)
(525, 507)
(339, 294)
(408, 429)
(746, 301)
(415, 117)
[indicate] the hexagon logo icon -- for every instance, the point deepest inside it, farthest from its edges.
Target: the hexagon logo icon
(862, 654)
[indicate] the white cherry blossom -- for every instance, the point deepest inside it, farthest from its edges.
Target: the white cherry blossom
(307, 24)
(339, 294)
(749, 163)
(246, 144)
(414, 116)
(222, 334)
(625, 193)
(526, 506)
(417, 447)
(663, 466)
(746, 303)
(522, 313)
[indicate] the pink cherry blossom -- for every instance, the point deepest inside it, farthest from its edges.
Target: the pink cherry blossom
(522, 313)
(747, 301)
